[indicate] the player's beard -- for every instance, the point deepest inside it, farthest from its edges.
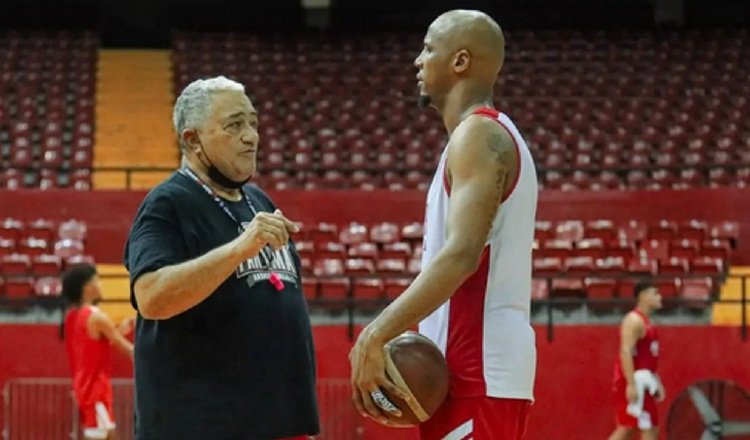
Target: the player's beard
(424, 101)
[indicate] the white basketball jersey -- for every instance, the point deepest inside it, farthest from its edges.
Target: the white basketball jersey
(484, 329)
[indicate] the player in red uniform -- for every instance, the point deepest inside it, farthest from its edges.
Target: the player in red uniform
(637, 387)
(89, 332)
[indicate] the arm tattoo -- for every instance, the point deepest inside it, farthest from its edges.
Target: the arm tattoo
(503, 155)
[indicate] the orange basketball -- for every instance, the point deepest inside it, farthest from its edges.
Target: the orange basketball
(416, 364)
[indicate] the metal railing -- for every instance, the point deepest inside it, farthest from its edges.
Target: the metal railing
(44, 409)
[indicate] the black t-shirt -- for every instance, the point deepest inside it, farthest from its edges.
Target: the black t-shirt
(238, 366)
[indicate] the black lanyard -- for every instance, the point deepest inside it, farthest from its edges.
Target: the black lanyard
(188, 172)
(185, 171)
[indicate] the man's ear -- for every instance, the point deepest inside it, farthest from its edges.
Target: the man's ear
(190, 139)
(461, 61)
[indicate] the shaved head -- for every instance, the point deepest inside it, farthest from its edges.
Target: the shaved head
(463, 49)
(474, 31)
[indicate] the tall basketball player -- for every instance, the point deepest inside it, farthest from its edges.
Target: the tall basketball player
(472, 297)
(637, 386)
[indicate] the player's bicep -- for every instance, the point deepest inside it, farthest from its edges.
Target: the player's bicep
(480, 165)
(103, 325)
(629, 333)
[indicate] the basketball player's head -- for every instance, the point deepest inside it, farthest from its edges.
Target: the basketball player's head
(647, 295)
(217, 127)
(80, 285)
(462, 48)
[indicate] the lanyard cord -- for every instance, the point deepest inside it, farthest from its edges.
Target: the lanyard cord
(185, 171)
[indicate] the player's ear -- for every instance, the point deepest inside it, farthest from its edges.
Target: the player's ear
(461, 61)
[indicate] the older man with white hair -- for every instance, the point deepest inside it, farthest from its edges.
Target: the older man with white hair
(224, 347)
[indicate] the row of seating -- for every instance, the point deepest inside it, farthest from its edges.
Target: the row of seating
(36, 250)
(47, 88)
(571, 230)
(597, 293)
(582, 102)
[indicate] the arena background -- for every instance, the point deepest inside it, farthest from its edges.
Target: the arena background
(636, 113)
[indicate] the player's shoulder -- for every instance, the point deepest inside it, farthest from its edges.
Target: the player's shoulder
(633, 318)
(477, 131)
(95, 312)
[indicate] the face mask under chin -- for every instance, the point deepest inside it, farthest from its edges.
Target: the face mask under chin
(218, 177)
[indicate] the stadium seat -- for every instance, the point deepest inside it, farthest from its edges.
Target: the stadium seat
(48, 287)
(696, 293)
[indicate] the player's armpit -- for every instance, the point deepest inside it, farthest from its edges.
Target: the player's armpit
(482, 158)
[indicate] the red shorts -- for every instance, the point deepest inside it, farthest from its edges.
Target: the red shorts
(647, 420)
(478, 418)
(97, 415)
(95, 405)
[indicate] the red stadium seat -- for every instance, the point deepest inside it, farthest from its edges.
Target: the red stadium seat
(359, 266)
(412, 232)
(74, 260)
(707, 266)
(32, 246)
(11, 229)
(43, 229)
(353, 233)
(393, 287)
(696, 293)
(598, 291)
(73, 230)
(384, 233)
(391, 265)
(684, 248)
(48, 287)
(579, 266)
(15, 265)
(46, 266)
(590, 247)
(673, 266)
(66, 248)
(330, 250)
(310, 288)
(18, 287)
(364, 250)
(323, 232)
(401, 250)
(716, 248)
(369, 289)
(547, 266)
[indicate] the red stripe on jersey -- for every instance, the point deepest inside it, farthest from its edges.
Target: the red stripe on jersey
(464, 351)
(446, 182)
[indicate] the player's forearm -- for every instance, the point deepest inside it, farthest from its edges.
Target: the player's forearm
(172, 290)
(123, 346)
(626, 361)
(430, 289)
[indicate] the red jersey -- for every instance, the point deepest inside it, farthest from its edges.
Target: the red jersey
(646, 352)
(89, 359)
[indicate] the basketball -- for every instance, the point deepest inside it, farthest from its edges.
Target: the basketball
(415, 363)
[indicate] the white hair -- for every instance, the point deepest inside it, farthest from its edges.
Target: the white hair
(193, 106)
